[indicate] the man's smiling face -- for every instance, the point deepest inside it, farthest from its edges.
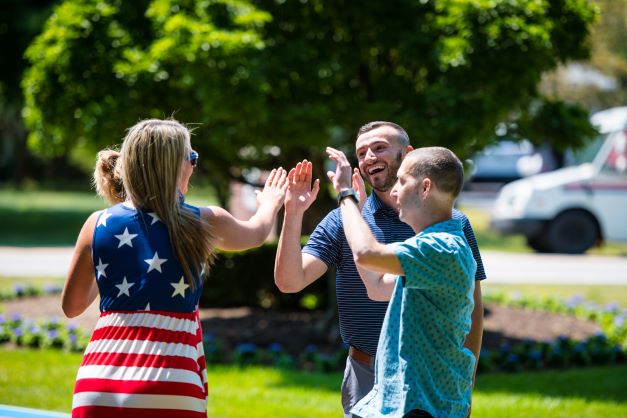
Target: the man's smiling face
(379, 155)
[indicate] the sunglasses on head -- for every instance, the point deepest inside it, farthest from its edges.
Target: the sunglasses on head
(193, 158)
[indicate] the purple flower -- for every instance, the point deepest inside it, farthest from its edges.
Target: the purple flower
(618, 321)
(574, 301)
(611, 307)
(600, 335)
(247, 347)
(53, 334)
(52, 288)
(2, 319)
(72, 327)
(535, 354)
(512, 358)
(73, 338)
(18, 332)
(16, 317)
(275, 348)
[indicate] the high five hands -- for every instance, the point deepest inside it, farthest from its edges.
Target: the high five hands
(342, 178)
(301, 193)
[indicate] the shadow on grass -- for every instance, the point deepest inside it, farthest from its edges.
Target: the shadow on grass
(40, 227)
(595, 383)
(328, 382)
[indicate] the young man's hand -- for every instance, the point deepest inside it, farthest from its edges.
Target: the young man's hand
(342, 177)
(360, 187)
(300, 193)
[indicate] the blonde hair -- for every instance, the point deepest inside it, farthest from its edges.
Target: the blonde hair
(107, 178)
(149, 167)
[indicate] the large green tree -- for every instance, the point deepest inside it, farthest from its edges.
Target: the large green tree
(293, 74)
(20, 22)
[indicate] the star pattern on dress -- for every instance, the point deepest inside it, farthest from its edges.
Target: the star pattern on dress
(103, 218)
(124, 286)
(179, 288)
(147, 308)
(125, 238)
(155, 262)
(154, 217)
(101, 268)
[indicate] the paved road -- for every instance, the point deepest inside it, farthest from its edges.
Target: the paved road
(500, 267)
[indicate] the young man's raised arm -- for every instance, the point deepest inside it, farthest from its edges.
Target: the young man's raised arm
(294, 270)
(367, 251)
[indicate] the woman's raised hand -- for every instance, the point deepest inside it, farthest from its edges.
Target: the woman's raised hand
(275, 188)
(300, 193)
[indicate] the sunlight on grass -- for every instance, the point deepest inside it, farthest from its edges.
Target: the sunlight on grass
(555, 394)
(261, 392)
(9, 283)
(601, 295)
(54, 218)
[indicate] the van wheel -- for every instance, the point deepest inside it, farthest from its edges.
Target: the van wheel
(572, 232)
(538, 242)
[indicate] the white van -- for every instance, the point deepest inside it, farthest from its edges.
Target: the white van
(572, 209)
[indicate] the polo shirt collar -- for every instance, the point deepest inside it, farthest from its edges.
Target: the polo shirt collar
(374, 204)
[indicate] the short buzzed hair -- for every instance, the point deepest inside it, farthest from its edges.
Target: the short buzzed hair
(439, 164)
(402, 136)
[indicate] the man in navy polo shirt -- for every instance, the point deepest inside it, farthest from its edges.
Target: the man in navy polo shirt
(380, 148)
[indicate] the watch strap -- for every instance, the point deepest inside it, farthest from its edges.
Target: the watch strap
(347, 193)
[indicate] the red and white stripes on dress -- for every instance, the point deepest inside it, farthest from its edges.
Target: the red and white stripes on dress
(143, 364)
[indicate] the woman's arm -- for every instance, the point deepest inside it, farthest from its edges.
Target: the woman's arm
(235, 234)
(80, 288)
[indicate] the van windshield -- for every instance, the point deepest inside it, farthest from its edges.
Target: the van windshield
(585, 154)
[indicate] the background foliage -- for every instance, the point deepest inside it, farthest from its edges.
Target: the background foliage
(270, 76)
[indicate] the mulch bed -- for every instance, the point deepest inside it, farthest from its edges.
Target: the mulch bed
(296, 330)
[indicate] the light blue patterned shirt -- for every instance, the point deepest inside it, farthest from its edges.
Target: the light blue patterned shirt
(421, 361)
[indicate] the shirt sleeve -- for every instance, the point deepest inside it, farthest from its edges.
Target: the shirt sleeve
(422, 265)
(472, 243)
(324, 241)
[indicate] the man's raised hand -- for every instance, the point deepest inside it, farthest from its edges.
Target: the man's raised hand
(300, 193)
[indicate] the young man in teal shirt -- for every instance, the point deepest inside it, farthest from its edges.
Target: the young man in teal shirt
(422, 367)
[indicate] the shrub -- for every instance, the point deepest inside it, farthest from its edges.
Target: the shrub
(246, 279)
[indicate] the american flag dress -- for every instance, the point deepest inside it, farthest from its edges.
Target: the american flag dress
(145, 357)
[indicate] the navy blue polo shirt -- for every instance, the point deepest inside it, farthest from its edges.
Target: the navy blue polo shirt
(360, 317)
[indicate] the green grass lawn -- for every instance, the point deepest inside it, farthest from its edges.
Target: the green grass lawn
(261, 392)
(54, 218)
(600, 294)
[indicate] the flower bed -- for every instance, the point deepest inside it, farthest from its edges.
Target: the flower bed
(28, 290)
(608, 347)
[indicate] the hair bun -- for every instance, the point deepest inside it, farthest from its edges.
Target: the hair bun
(107, 178)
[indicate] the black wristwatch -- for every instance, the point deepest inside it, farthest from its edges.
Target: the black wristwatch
(348, 193)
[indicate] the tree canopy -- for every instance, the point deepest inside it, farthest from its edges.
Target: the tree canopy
(263, 76)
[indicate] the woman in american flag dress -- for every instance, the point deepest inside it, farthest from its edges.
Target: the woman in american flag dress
(146, 256)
